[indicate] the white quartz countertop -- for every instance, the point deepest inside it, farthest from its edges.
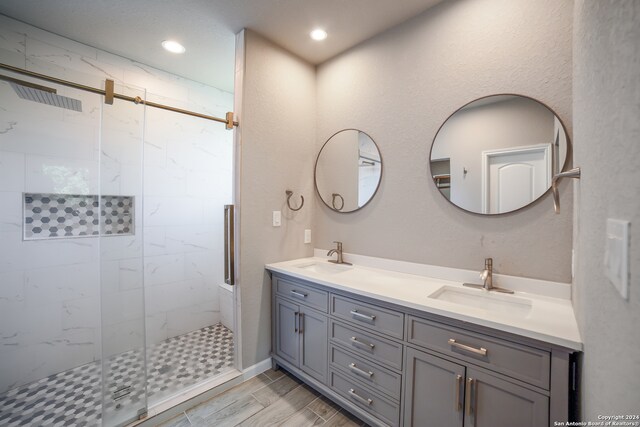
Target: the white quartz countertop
(544, 318)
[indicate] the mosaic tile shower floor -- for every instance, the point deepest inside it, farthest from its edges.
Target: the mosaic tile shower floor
(73, 397)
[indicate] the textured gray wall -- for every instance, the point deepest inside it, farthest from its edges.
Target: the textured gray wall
(606, 108)
(401, 85)
(277, 125)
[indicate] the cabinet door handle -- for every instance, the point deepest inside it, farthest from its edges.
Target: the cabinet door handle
(359, 343)
(369, 318)
(458, 406)
(298, 294)
(469, 402)
(295, 322)
(300, 323)
(360, 399)
(359, 371)
(480, 351)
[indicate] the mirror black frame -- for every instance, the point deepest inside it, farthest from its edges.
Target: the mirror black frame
(315, 171)
(562, 167)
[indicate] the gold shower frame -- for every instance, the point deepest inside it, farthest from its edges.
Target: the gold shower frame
(109, 94)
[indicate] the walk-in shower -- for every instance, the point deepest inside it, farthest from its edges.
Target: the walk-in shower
(111, 246)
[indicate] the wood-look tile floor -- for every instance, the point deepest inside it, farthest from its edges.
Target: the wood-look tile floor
(273, 398)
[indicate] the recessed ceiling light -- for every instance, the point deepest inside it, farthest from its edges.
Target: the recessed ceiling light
(173, 46)
(318, 34)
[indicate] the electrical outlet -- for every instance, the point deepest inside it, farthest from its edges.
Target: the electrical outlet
(307, 236)
(277, 218)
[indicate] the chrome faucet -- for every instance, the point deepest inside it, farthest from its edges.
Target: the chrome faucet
(337, 251)
(487, 274)
(487, 279)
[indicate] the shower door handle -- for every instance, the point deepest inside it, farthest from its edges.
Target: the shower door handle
(229, 245)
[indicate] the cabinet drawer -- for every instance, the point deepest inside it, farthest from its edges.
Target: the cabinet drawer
(517, 361)
(375, 376)
(303, 294)
(378, 406)
(368, 316)
(379, 349)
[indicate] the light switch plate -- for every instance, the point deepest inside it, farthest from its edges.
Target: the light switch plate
(277, 218)
(616, 255)
(307, 236)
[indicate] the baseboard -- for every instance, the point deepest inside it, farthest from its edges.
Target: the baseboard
(256, 369)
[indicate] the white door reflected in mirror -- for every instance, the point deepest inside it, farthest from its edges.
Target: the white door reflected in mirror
(514, 177)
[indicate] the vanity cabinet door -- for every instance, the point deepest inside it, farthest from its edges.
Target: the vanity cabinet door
(493, 402)
(302, 338)
(287, 336)
(434, 391)
(313, 329)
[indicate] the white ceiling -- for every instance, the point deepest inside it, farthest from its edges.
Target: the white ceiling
(135, 28)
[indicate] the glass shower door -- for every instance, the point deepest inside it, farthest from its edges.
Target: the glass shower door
(122, 270)
(111, 240)
(188, 178)
(49, 255)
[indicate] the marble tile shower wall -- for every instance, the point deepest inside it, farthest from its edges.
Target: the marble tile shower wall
(60, 299)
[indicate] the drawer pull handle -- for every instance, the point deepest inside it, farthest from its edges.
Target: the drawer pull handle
(481, 351)
(359, 371)
(357, 342)
(361, 399)
(368, 318)
(298, 294)
(458, 406)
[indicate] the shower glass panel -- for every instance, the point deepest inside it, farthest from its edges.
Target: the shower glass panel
(50, 335)
(187, 182)
(121, 259)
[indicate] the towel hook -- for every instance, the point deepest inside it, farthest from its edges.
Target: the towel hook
(289, 194)
(333, 201)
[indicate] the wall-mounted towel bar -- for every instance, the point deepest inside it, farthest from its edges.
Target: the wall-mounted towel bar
(573, 173)
(442, 180)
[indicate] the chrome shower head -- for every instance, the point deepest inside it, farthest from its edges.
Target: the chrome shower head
(42, 94)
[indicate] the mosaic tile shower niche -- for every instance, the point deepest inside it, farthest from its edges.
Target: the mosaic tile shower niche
(55, 216)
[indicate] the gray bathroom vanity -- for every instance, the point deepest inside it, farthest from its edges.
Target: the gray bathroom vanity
(393, 364)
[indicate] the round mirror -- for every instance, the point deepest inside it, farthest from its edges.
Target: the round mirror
(498, 154)
(348, 170)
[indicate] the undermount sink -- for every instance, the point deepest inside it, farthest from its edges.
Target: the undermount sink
(324, 267)
(484, 300)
